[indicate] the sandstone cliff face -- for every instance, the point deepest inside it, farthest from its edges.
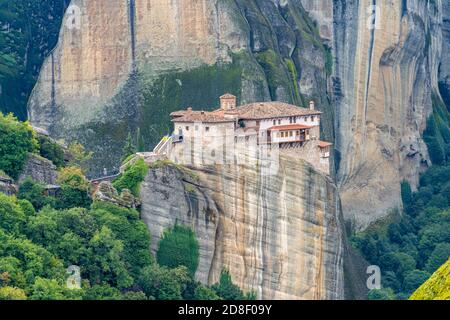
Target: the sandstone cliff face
(278, 235)
(383, 82)
(123, 65)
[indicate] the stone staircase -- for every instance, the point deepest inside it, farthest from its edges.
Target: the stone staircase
(160, 152)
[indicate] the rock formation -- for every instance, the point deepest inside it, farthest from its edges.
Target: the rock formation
(123, 65)
(39, 169)
(384, 77)
(279, 235)
(105, 191)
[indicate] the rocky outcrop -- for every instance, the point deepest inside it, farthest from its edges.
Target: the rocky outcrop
(124, 65)
(7, 185)
(279, 235)
(39, 169)
(106, 192)
(383, 81)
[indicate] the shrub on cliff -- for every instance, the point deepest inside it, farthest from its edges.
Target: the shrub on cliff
(227, 290)
(75, 189)
(179, 247)
(132, 178)
(51, 151)
(33, 192)
(17, 139)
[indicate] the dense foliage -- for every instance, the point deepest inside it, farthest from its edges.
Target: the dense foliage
(41, 235)
(411, 248)
(178, 247)
(417, 242)
(110, 244)
(17, 139)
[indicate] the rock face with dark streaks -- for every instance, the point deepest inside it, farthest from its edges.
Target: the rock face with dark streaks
(384, 77)
(279, 235)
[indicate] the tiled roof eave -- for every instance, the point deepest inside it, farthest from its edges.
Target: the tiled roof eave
(279, 116)
(203, 121)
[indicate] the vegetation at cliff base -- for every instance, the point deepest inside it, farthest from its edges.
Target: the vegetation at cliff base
(42, 234)
(411, 248)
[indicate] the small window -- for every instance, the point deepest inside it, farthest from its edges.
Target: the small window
(207, 129)
(290, 133)
(274, 122)
(306, 119)
(187, 128)
(312, 118)
(279, 121)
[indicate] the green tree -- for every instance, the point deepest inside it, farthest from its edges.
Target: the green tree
(80, 156)
(204, 293)
(162, 283)
(106, 263)
(226, 289)
(75, 189)
(134, 295)
(47, 289)
(130, 229)
(140, 141)
(132, 178)
(179, 247)
(12, 218)
(382, 294)
(129, 148)
(11, 293)
(413, 280)
(17, 139)
(438, 257)
(406, 193)
(102, 292)
(33, 192)
(51, 150)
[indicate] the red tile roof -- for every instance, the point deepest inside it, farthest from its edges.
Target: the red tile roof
(324, 144)
(201, 116)
(253, 111)
(227, 96)
(290, 127)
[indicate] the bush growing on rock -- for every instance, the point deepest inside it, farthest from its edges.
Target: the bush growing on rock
(17, 139)
(179, 247)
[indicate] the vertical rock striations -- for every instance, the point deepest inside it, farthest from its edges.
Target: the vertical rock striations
(383, 83)
(278, 235)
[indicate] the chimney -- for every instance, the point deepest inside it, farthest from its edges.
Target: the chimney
(227, 102)
(312, 105)
(189, 109)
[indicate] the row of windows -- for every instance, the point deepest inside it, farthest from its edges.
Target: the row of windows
(294, 120)
(287, 134)
(196, 129)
